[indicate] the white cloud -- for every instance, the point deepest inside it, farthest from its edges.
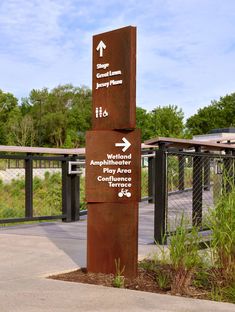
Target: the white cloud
(186, 49)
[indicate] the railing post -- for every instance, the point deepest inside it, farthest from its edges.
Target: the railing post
(160, 195)
(151, 179)
(181, 163)
(70, 193)
(228, 171)
(75, 196)
(66, 192)
(197, 188)
(29, 186)
(206, 163)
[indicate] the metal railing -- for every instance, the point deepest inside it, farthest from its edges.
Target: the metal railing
(37, 187)
(29, 192)
(188, 185)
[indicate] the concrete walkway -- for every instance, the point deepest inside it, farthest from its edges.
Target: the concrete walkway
(29, 253)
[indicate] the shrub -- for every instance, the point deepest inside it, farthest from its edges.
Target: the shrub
(222, 225)
(184, 257)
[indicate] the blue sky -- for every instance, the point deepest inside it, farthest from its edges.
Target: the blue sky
(185, 55)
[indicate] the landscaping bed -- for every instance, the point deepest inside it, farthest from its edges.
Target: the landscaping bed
(181, 268)
(157, 278)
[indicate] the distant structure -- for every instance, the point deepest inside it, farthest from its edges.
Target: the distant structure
(222, 135)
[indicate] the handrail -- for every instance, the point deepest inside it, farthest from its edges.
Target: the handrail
(42, 150)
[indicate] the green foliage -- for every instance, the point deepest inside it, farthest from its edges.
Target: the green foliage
(167, 121)
(162, 121)
(143, 122)
(222, 225)
(119, 279)
(56, 118)
(184, 257)
(163, 279)
(229, 293)
(219, 114)
(61, 116)
(12, 199)
(47, 196)
(144, 182)
(7, 104)
(47, 192)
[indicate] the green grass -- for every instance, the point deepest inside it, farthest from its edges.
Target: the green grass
(144, 182)
(210, 271)
(47, 196)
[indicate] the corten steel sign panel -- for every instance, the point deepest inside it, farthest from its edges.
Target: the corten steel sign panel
(112, 234)
(113, 166)
(113, 153)
(114, 79)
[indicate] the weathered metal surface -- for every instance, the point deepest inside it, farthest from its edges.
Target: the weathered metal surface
(113, 153)
(114, 79)
(112, 234)
(113, 175)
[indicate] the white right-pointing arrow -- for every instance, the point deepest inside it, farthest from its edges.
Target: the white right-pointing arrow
(126, 144)
(101, 46)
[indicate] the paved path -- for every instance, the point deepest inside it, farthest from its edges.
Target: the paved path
(29, 253)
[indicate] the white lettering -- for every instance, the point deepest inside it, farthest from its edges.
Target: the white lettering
(108, 74)
(111, 184)
(102, 66)
(113, 179)
(115, 82)
(102, 85)
(120, 170)
(118, 156)
(108, 170)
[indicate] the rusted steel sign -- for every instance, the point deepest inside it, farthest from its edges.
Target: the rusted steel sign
(112, 234)
(114, 79)
(113, 166)
(113, 155)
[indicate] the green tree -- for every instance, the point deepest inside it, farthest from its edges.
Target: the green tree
(61, 116)
(167, 121)
(20, 128)
(143, 122)
(79, 117)
(7, 104)
(219, 114)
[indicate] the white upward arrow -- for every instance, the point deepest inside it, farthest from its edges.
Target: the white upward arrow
(101, 46)
(126, 144)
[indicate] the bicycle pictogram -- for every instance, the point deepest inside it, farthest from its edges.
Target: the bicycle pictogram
(124, 193)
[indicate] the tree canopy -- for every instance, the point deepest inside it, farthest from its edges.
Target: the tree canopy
(56, 118)
(219, 114)
(61, 116)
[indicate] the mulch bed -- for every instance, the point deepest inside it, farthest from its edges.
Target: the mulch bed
(145, 281)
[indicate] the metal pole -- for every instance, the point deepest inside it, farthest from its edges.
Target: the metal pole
(160, 195)
(151, 179)
(181, 163)
(197, 188)
(29, 187)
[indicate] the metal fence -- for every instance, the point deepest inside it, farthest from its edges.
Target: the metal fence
(188, 186)
(38, 187)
